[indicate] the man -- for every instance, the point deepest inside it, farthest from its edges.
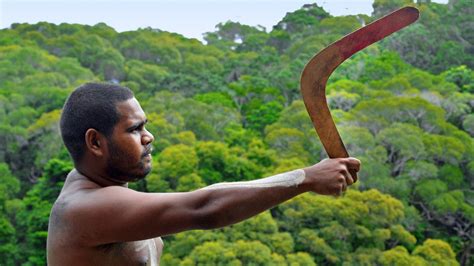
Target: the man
(97, 220)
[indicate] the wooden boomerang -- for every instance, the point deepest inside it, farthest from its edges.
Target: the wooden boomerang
(317, 71)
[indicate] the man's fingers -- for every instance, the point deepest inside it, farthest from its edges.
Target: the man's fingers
(341, 188)
(351, 163)
(349, 169)
(353, 174)
(342, 182)
(349, 179)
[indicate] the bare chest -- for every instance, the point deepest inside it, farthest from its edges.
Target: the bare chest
(139, 253)
(145, 252)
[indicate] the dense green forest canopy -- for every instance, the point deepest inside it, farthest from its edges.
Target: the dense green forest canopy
(230, 109)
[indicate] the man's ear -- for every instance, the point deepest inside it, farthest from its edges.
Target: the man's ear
(95, 142)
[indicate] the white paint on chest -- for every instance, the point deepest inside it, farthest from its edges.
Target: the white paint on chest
(148, 249)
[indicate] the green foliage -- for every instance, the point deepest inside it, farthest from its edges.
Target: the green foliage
(9, 185)
(400, 256)
(468, 124)
(33, 216)
(382, 7)
(231, 110)
(304, 18)
(217, 98)
(212, 253)
(430, 189)
(379, 113)
(149, 77)
(190, 182)
(403, 142)
(233, 35)
(451, 175)
(176, 161)
(300, 259)
(462, 76)
(427, 44)
(436, 252)
(264, 115)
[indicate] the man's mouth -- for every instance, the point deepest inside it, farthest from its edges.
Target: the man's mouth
(147, 151)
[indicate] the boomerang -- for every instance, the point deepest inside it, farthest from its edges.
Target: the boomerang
(317, 71)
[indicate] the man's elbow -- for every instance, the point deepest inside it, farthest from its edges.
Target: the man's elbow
(213, 216)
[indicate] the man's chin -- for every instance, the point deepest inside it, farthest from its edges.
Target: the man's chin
(146, 171)
(123, 177)
(138, 177)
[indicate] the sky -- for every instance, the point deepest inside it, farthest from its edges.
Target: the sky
(190, 18)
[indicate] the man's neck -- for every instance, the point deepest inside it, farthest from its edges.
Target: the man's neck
(99, 177)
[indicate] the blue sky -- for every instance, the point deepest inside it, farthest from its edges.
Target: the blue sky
(187, 17)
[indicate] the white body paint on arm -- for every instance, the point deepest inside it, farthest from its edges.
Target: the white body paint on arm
(288, 179)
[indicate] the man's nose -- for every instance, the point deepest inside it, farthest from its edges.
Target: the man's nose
(147, 137)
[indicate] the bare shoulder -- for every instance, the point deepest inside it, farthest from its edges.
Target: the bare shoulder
(61, 231)
(74, 197)
(62, 204)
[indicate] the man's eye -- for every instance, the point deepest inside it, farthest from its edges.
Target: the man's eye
(138, 128)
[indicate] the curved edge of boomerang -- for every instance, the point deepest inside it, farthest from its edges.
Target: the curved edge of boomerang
(317, 71)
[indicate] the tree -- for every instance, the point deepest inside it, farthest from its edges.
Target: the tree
(236, 36)
(212, 160)
(190, 182)
(33, 216)
(265, 114)
(358, 141)
(341, 25)
(332, 230)
(462, 76)
(400, 256)
(300, 259)
(383, 7)
(150, 47)
(449, 54)
(218, 98)
(44, 142)
(444, 149)
(212, 253)
(307, 16)
(98, 55)
(149, 77)
(377, 114)
(295, 120)
(403, 142)
(457, 106)
(177, 161)
(9, 187)
(468, 124)
(288, 142)
(418, 36)
(436, 251)
(452, 175)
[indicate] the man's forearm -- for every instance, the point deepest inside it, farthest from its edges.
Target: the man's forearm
(288, 179)
(229, 203)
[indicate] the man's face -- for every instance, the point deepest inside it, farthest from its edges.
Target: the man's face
(130, 144)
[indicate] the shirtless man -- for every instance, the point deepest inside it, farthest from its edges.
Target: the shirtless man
(97, 220)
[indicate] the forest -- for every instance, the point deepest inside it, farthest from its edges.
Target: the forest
(230, 109)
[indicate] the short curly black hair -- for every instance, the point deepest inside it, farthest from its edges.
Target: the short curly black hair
(92, 105)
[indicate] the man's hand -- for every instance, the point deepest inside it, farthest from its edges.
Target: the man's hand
(331, 176)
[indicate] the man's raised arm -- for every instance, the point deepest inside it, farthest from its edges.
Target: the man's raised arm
(117, 214)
